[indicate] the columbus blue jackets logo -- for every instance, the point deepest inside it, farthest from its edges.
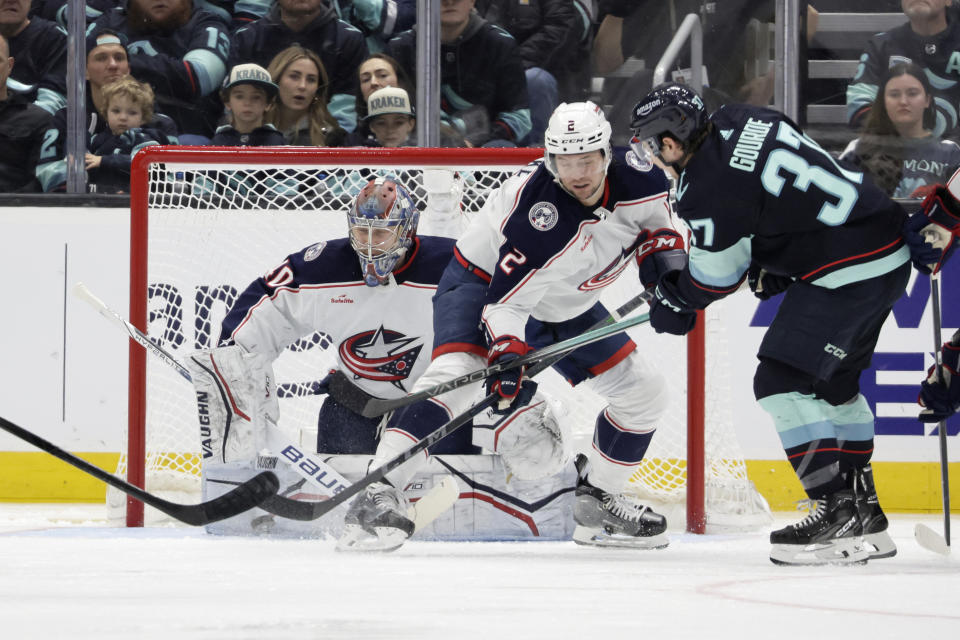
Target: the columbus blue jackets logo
(381, 355)
(610, 273)
(640, 163)
(543, 216)
(313, 251)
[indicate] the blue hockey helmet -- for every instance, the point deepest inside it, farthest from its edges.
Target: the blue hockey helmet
(670, 109)
(383, 224)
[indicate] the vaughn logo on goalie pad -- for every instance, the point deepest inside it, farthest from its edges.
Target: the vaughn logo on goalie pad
(203, 413)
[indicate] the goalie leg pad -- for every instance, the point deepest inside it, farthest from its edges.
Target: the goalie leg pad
(235, 402)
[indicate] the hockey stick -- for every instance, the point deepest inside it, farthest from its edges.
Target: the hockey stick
(608, 326)
(424, 511)
(306, 465)
(342, 389)
(245, 496)
(927, 537)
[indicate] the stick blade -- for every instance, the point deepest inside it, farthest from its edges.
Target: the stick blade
(436, 501)
(930, 539)
(243, 497)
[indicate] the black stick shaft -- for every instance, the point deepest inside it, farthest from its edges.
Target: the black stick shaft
(942, 427)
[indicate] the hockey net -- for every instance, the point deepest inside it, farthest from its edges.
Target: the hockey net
(206, 222)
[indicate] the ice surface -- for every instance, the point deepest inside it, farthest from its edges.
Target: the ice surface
(65, 574)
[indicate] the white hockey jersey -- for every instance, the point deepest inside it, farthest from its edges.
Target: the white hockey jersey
(550, 257)
(382, 335)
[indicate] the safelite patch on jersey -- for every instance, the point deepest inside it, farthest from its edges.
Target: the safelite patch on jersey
(313, 251)
(543, 216)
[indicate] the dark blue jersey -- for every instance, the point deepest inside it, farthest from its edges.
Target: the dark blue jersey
(341, 48)
(40, 69)
(184, 66)
(759, 190)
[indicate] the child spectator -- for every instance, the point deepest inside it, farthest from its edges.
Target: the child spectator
(897, 147)
(247, 92)
(376, 72)
(300, 111)
(128, 104)
(390, 117)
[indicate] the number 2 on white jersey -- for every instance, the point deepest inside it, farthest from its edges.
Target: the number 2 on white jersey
(513, 256)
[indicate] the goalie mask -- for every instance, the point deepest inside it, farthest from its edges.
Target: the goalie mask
(383, 224)
(670, 109)
(576, 127)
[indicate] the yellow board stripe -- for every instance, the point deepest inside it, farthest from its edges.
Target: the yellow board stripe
(909, 487)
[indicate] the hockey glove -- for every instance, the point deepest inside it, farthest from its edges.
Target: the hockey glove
(765, 285)
(941, 398)
(669, 312)
(659, 252)
(931, 232)
(510, 385)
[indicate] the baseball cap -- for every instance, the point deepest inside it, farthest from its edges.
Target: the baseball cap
(250, 73)
(388, 100)
(101, 36)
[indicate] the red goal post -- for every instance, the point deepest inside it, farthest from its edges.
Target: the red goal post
(157, 177)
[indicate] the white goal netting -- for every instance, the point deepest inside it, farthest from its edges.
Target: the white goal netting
(213, 224)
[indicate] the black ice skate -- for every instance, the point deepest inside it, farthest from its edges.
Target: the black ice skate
(875, 537)
(376, 521)
(831, 534)
(614, 520)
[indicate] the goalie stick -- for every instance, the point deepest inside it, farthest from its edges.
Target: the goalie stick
(433, 503)
(312, 511)
(925, 536)
(342, 389)
(245, 496)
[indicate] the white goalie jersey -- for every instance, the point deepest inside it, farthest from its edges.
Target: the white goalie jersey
(382, 335)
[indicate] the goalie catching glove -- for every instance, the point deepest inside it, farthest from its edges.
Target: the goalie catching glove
(530, 441)
(514, 390)
(236, 402)
(941, 398)
(930, 233)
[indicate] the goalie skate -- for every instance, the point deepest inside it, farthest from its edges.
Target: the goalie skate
(614, 520)
(831, 534)
(376, 521)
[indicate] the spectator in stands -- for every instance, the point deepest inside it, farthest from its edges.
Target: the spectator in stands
(378, 20)
(376, 72)
(129, 107)
(56, 10)
(929, 40)
(547, 34)
(391, 118)
(247, 91)
(40, 49)
(300, 112)
(482, 84)
(897, 147)
(313, 25)
(181, 52)
(22, 126)
(106, 63)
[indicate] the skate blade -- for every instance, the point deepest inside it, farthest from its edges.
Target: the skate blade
(593, 537)
(879, 545)
(841, 552)
(356, 539)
